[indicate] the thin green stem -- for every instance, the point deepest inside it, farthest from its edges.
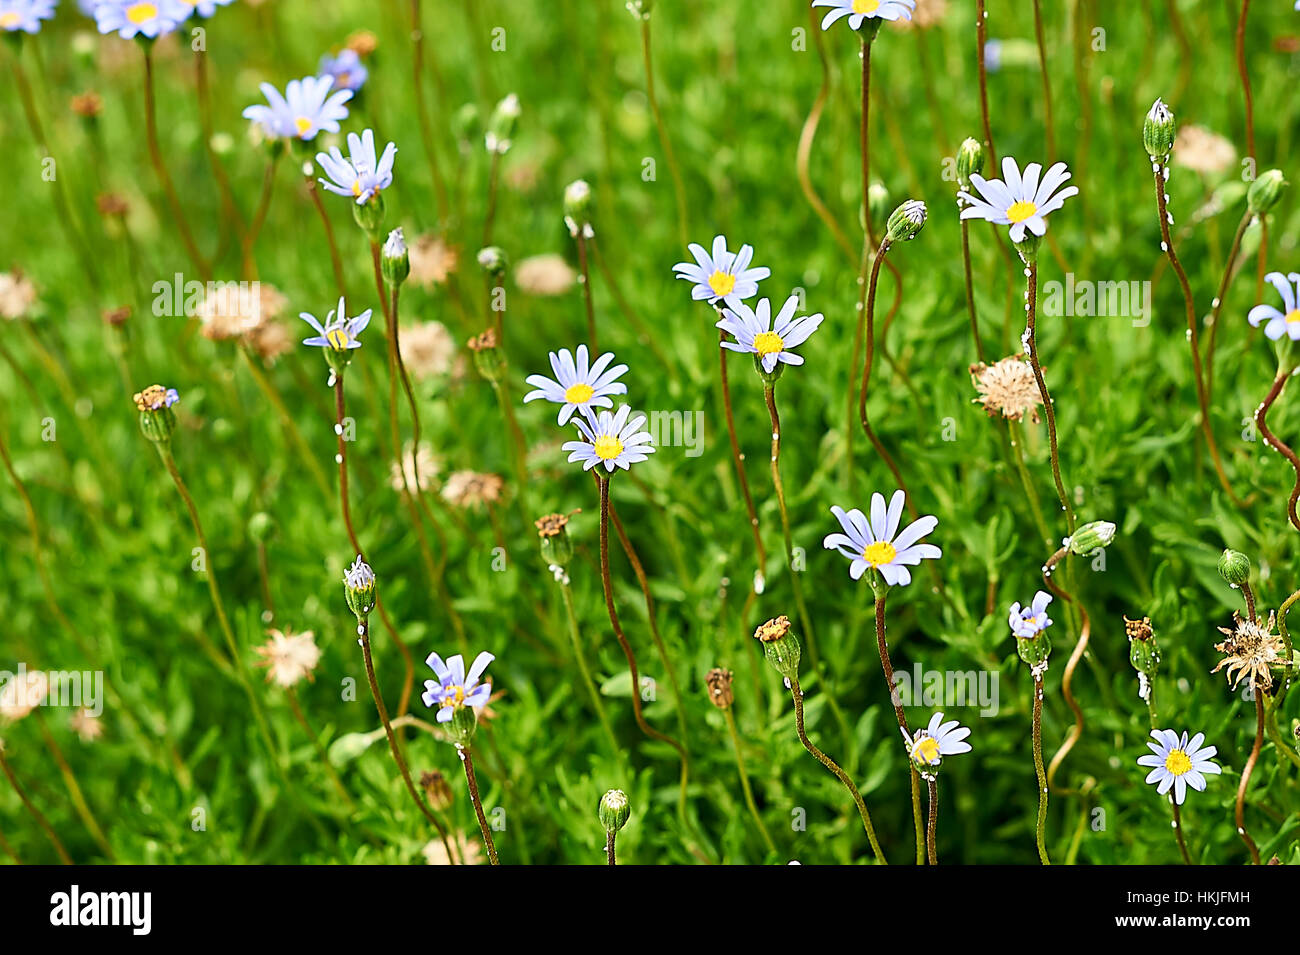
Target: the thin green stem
(1040, 828)
(575, 636)
(35, 813)
(678, 188)
(744, 778)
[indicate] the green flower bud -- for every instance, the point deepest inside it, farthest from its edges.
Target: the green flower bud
(494, 261)
(361, 589)
(464, 721)
(970, 161)
(640, 8)
(396, 260)
(1158, 131)
(557, 549)
(501, 125)
(1091, 537)
(157, 420)
(1035, 650)
(577, 201)
(1234, 567)
(906, 221)
(261, 527)
(1142, 650)
(877, 201)
(614, 810)
(780, 646)
(1265, 191)
(370, 216)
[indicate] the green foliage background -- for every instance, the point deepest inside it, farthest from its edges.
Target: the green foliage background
(735, 84)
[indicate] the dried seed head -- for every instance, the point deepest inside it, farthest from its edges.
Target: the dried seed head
(1007, 387)
(774, 629)
(719, 684)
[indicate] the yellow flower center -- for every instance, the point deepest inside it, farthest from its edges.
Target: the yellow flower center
(1022, 210)
(9, 20)
(926, 750)
(866, 6)
(722, 283)
(607, 447)
(457, 697)
(1293, 316)
(767, 343)
(356, 188)
(338, 337)
(578, 394)
(1177, 762)
(881, 552)
(139, 13)
(303, 124)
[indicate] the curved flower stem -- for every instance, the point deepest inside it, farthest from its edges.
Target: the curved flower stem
(807, 134)
(576, 637)
(585, 274)
(970, 290)
(839, 774)
(422, 112)
(1261, 422)
(1049, 411)
(738, 458)
(74, 788)
(363, 634)
(160, 168)
(330, 771)
(1217, 305)
(1193, 337)
(1247, 770)
(609, 845)
(867, 329)
(1047, 81)
(249, 238)
(744, 778)
(1040, 827)
(932, 854)
(1067, 676)
(467, 759)
(881, 592)
(1245, 83)
(678, 188)
(336, 261)
(36, 814)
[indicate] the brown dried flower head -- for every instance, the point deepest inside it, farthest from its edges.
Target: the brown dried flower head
(1138, 629)
(17, 295)
(117, 317)
(432, 260)
(111, 204)
(719, 684)
(362, 43)
(545, 275)
(1007, 387)
(1250, 651)
(774, 629)
(437, 790)
(551, 525)
(151, 399)
(87, 105)
(416, 470)
(472, 489)
(289, 657)
(1200, 150)
(484, 342)
(428, 350)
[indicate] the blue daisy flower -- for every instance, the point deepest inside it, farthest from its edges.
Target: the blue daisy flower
(1021, 201)
(25, 15)
(1178, 762)
(131, 18)
(756, 332)
(1287, 320)
(346, 69)
(859, 11)
(578, 386)
(307, 107)
(339, 332)
(927, 747)
(721, 275)
(455, 688)
(361, 176)
(612, 440)
(1030, 621)
(878, 544)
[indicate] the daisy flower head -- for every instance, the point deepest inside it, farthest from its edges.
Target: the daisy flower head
(578, 385)
(721, 275)
(204, 8)
(878, 544)
(768, 339)
(1021, 201)
(308, 107)
(1178, 762)
(611, 440)
(859, 11)
(339, 333)
(455, 689)
(25, 15)
(927, 747)
(1285, 321)
(148, 18)
(362, 175)
(1028, 622)
(346, 69)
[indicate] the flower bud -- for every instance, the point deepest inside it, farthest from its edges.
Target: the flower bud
(396, 260)
(370, 216)
(360, 587)
(1158, 131)
(970, 161)
(1091, 537)
(640, 8)
(1265, 191)
(877, 201)
(261, 527)
(437, 790)
(157, 420)
(780, 646)
(557, 549)
(501, 125)
(1234, 567)
(906, 221)
(614, 810)
(719, 684)
(577, 201)
(487, 357)
(494, 262)
(1142, 650)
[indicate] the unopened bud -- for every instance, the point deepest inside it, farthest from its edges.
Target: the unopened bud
(360, 588)
(1158, 131)
(906, 221)
(1265, 191)
(614, 810)
(396, 260)
(1091, 537)
(970, 161)
(1234, 567)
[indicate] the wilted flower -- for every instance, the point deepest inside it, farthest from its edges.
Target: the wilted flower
(1007, 387)
(770, 339)
(432, 260)
(927, 747)
(437, 790)
(17, 295)
(1250, 651)
(339, 333)
(578, 386)
(230, 312)
(721, 275)
(427, 350)
(1030, 621)
(414, 461)
(455, 688)
(362, 175)
(309, 106)
(859, 11)
(878, 544)
(86, 725)
(346, 70)
(130, 18)
(718, 681)
(22, 693)
(1179, 763)
(87, 105)
(289, 657)
(472, 489)
(544, 275)
(155, 398)
(1284, 322)
(1020, 202)
(611, 440)
(1200, 150)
